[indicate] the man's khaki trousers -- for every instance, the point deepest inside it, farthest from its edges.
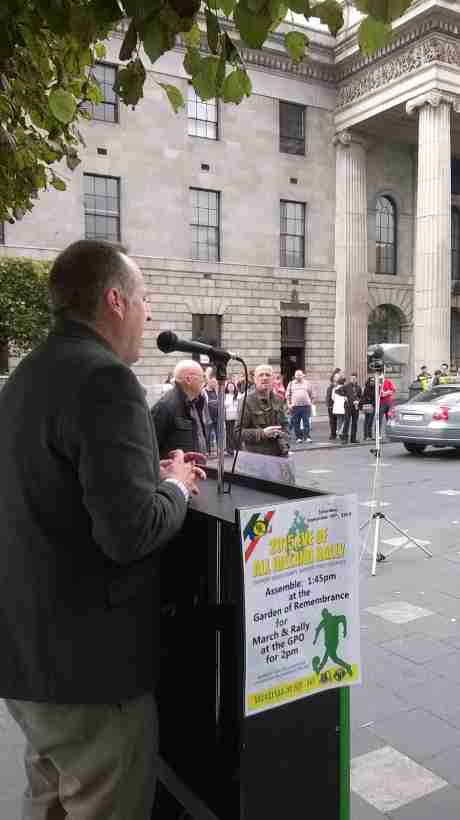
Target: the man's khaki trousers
(89, 761)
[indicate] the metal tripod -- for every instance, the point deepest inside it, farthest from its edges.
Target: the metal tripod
(377, 518)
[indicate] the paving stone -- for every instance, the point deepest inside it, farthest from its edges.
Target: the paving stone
(362, 810)
(388, 779)
(363, 741)
(373, 704)
(418, 648)
(447, 765)
(450, 667)
(441, 699)
(398, 612)
(417, 733)
(442, 805)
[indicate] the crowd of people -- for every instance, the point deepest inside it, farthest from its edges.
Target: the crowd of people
(186, 414)
(346, 399)
(441, 376)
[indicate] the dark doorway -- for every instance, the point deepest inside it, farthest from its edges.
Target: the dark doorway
(292, 346)
(206, 328)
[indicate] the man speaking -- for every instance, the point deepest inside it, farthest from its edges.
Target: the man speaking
(85, 506)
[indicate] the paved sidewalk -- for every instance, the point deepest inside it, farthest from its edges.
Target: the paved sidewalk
(405, 716)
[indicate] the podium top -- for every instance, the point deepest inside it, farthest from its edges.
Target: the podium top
(246, 492)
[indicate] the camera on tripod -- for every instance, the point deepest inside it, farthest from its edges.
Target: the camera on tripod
(387, 353)
(375, 360)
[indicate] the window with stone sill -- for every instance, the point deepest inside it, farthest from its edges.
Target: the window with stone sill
(107, 110)
(385, 235)
(455, 245)
(292, 128)
(102, 207)
(205, 224)
(292, 234)
(203, 116)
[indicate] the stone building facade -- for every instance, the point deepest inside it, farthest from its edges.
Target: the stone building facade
(353, 231)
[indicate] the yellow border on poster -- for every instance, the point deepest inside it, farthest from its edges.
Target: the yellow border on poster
(290, 690)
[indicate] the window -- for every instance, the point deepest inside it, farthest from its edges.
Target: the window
(102, 207)
(2, 233)
(292, 234)
(107, 110)
(202, 116)
(455, 244)
(205, 224)
(292, 128)
(385, 235)
(206, 328)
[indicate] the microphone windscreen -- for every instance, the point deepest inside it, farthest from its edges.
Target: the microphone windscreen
(166, 341)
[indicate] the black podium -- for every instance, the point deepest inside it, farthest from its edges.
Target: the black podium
(217, 764)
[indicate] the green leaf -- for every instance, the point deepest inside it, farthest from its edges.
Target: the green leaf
(220, 76)
(100, 51)
(156, 39)
(253, 28)
(330, 13)
(295, 43)
(129, 84)
(193, 62)
(396, 8)
(236, 86)
(129, 43)
(174, 96)
(94, 93)
(227, 6)
(213, 31)
(58, 183)
(192, 38)
(205, 83)
(62, 105)
(373, 34)
(231, 51)
(299, 6)
(256, 5)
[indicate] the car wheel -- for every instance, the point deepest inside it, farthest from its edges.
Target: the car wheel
(415, 448)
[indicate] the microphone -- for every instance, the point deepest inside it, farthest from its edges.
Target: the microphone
(168, 342)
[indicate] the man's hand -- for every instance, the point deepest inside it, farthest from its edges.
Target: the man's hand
(272, 432)
(187, 472)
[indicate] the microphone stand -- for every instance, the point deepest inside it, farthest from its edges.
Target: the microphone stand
(221, 376)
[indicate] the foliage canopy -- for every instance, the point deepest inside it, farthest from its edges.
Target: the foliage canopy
(25, 315)
(47, 48)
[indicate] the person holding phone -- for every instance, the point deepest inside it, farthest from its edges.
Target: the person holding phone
(264, 426)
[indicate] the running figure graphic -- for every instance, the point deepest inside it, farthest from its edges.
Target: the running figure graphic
(330, 624)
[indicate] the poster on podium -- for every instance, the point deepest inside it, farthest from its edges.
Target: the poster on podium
(301, 584)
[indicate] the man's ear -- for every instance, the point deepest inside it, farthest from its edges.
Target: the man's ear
(115, 302)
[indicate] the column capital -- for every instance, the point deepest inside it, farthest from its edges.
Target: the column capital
(433, 98)
(347, 138)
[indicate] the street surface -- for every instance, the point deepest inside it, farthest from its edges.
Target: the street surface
(406, 714)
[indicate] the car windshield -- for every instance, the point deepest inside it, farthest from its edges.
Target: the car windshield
(448, 394)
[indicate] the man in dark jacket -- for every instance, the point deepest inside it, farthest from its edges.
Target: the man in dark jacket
(181, 416)
(85, 505)
(264, 425)
(352, 392)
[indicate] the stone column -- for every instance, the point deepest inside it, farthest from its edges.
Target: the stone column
(351, 254)
(432, 265)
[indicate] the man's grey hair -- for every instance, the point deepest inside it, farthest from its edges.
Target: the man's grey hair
(260, 367)
(83, 272)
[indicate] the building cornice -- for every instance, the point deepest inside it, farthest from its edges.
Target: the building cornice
(427, 36)
(431, 49)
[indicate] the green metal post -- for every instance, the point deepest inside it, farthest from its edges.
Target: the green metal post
(344, 753)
